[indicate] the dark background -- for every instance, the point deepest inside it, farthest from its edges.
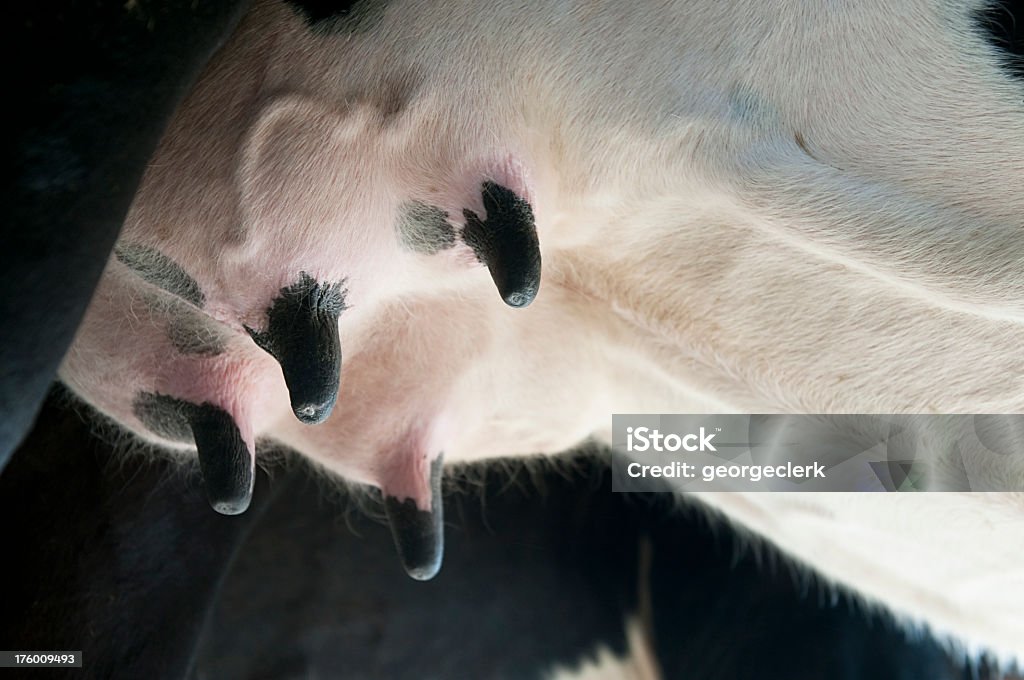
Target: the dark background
(120, 555)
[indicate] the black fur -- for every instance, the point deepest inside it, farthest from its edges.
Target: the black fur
(122, 560)
(351, 16)
(1003, 25)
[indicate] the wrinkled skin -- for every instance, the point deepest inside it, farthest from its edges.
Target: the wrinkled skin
(809, 210)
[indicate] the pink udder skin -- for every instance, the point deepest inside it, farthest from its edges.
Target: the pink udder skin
(258, 180)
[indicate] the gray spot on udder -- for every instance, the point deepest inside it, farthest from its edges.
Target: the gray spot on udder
(164, 416)
(191, 333)
(156, 268)
(424, 228)
(189, 330)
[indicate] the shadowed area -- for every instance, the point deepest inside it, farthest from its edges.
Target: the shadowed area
(122, 557)
(95, 84)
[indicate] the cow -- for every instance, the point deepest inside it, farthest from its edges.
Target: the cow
(684, 207)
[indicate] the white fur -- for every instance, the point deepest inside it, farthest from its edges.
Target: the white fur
(639, 662)
(742, 206)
